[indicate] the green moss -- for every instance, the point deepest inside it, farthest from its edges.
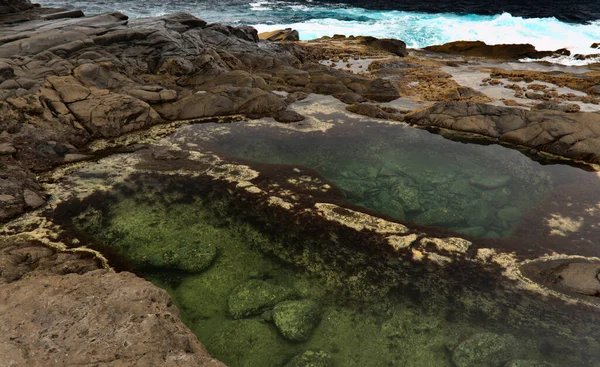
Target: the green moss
(249, 343)
(296, 320)
(311, 358)
(255, 296)
(485, 349)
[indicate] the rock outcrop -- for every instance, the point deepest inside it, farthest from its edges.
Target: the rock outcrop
(61, 309)
(571, 135)
(502, 51)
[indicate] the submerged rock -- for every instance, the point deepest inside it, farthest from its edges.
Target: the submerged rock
(249, 343)
(440, 217)
(255, 296)
(311, 358)
(582, 278)
(485, 349)
(296, 320)
(192, 258)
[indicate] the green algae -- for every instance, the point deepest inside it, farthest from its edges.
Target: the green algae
(363, 322)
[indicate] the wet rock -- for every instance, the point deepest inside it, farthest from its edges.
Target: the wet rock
(485, 349)
(249, 343)
(509, 214)
(351, 98)
(287, 116)
(478, 213)
(583, 278)
(311, 358)
(371, 110)
(256, 296)
(296, 320)
(193, 258)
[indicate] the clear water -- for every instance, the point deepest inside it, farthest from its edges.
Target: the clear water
(371, 311)
(207, 243)
(405, 173)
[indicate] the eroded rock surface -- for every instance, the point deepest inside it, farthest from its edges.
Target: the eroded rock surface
(61, 308)
(572, 135)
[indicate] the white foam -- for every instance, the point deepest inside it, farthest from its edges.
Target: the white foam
(420, 30)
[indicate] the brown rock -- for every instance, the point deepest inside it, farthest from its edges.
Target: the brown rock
(32, 199)
(481, 49)
(57, 310)
(287, 34)
(113, 114)
(287, 116)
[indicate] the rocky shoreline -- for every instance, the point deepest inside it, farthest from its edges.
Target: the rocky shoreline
(75, 89)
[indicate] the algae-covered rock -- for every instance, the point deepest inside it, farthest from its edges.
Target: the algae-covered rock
(249, 343)
(485, 349)
(527, 363)
(440, 217)
(311, 358)
(255, 296)
(189, 257)
(296, 320)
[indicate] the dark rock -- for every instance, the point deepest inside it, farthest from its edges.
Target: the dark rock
(481, 49)
(393, 46)
(287, 116)
(63, 15)
(351, 98)
(595, 45)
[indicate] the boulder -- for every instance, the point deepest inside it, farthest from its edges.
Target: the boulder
(583, 278)
(249, 343)
(113, 114)
(76, 306)
(393, 46)
(485, 349)
(256, 296)
(287, 34)
(296, 320)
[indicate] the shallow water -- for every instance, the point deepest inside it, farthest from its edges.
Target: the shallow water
(408, 174)
(233, 263)
(362, 319)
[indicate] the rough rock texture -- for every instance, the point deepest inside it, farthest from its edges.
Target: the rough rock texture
(481, 49)
(14, 6)
(67, 82)
(287, 34)
(61, 309)
(256, 296)
(296, 320)
(571, 135)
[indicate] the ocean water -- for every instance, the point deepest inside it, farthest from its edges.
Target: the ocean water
(548, 25)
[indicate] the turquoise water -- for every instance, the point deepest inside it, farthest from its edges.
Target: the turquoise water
(416, 28)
